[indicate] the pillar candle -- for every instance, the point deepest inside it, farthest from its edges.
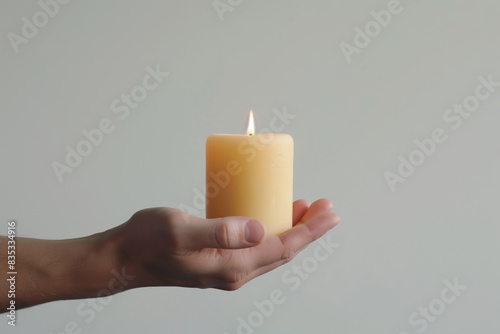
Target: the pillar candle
(251, 175)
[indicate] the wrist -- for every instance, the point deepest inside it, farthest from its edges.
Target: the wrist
(101, 271)
(83, 268)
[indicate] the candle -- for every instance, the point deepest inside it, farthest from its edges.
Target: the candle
(251, 175)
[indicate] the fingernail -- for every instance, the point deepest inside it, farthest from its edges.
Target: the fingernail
(254, 231)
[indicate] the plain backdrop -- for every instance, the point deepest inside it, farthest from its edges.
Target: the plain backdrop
(352, 123)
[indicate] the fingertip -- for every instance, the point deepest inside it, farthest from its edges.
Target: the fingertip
(255, 231)
(335, 218)
(319, 207)
(322, 204)
(325, 221)
(326, 203)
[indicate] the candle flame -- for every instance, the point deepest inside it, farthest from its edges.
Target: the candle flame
(251, 124)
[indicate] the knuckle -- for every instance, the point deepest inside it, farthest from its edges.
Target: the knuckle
(171, 214)
(225, 234)
(233, 287)
(222, 235)
(232, 278)
(288, 255)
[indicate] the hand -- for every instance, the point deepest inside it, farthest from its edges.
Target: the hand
(163, 246)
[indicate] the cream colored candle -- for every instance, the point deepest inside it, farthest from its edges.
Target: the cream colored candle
(251, 175)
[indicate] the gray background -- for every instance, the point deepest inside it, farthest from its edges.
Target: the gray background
(352, 123)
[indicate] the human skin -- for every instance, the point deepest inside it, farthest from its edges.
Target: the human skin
(158, 247)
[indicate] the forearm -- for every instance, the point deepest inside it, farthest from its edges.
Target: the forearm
(49, 270)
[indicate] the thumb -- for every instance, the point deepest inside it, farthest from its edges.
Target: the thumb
(227, 232)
